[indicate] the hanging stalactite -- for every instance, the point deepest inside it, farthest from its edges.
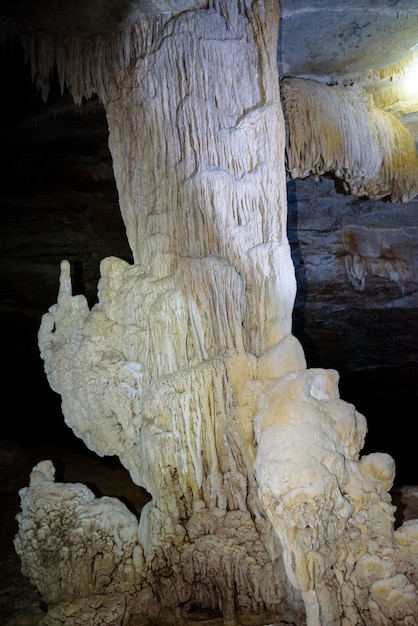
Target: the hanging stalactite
(339, 131)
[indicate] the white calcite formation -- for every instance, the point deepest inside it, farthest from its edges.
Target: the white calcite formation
(372, 250)
(338, 130)
(88, 546)
(329, 507)
(186, 368)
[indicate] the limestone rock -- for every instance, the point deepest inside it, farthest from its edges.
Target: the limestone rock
(330, 507)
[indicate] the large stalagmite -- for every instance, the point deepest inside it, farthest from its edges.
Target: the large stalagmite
(187, 370)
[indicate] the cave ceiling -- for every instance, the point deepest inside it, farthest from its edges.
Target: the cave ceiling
(346, 38)
(339, 42)
(342, 42)
(318, 38)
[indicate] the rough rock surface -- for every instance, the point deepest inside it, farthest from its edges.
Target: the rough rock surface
(161, 357)
(340, 131)
(59, 201)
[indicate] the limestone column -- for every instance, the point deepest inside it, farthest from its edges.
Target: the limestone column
(167, 369)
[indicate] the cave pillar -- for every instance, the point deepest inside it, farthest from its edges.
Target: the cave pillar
(167, 369)
(196, 133)
(197, 137)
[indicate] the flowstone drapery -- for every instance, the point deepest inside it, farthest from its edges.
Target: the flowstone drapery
(186, 368)
(337, 130)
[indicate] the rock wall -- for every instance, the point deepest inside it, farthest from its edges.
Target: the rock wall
(356, 304)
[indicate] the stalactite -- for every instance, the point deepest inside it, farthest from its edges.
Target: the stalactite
(87, 65)
(339, 131)
(373, 250)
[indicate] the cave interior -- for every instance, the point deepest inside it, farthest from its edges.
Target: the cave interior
(59, 200)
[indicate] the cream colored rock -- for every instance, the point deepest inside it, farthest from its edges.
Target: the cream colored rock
(163, 371)
(339, 130)
(331, 508)
(73, 545)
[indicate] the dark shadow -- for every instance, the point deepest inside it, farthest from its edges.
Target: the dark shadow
(386, 407)
(400, 507)
(311, 352)
(47, 149)
(279, 46)
(199, 614)
(104, 476)
(77, 278)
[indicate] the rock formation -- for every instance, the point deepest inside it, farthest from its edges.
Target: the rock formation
(187, 369)
(338, 130)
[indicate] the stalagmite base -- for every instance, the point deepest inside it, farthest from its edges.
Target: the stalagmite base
(188, 371)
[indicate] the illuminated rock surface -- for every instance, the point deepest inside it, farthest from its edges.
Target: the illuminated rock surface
(338, 130)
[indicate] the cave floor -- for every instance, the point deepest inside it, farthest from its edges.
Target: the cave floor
(20, 604)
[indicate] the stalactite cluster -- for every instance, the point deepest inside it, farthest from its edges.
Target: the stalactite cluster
(339, 131)
(394, 71)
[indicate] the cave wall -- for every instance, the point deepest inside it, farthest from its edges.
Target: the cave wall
(58, 197)
(356, 307)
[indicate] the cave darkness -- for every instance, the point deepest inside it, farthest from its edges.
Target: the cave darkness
(59, 201)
